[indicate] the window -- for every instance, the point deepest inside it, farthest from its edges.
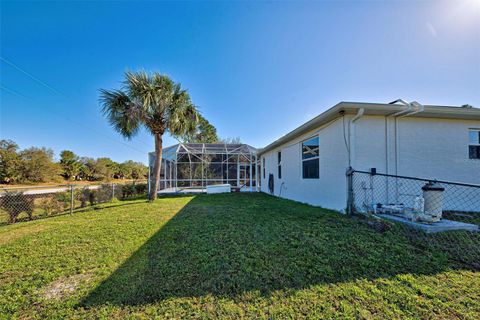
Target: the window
(279, 163)
(310, 159)
(263, 167)
(474, 144)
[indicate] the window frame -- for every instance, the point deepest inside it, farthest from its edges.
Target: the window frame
(263, 168)
(309, 159)
(473, 144)
(279, 164)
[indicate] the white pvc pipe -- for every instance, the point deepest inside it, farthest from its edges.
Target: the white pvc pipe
(351, 135)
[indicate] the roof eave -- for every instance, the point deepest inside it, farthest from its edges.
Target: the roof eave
(380, 109)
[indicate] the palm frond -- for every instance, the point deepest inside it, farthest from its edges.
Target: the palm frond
(152, 100)
(139, 85)
(183, 118)
(121, 111)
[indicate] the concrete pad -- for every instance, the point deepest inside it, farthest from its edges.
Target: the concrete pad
(440, 226)
(181, 191)
(219, 188)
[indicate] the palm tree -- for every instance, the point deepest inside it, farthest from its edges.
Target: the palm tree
(155, 102)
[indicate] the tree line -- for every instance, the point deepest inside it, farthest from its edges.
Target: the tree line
(37, 165)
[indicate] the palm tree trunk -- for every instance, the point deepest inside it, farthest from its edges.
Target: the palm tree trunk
(156, 166)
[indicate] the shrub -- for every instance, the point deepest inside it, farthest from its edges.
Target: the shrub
(84, 196)
(128, 190)
(141, 188)
(92, 197)
(132, 190)
(14, 203)
(104, 193)
(51, 205)
(89, 196)
(64, 199)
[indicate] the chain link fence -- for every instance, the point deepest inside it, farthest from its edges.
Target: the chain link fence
(28, 203)
(440, 216)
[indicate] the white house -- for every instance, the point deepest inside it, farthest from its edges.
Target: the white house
(309, 164)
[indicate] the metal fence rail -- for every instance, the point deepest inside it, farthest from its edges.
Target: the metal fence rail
(433, 214)
(27, 203)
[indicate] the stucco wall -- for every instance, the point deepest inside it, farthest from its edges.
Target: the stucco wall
(430, 148)
(330, 189)
(427, 148)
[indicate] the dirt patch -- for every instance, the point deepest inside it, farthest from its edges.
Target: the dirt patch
(63, 287)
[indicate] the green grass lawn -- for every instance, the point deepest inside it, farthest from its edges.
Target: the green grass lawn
(224, 256)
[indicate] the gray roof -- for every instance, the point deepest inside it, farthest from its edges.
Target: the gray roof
(380, 109)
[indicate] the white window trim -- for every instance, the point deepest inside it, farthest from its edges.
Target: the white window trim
(472, 144)
(313, 158)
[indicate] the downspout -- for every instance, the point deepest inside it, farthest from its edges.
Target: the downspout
(396, 115)
(351, 133)
(414, 107)
(411, 108)
(407, 109)
(386, 158)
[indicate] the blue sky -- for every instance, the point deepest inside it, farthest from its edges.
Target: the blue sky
(256, 69)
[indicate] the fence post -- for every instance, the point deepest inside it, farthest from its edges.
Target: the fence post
(113, 191)
(350, 194)
(71, 198)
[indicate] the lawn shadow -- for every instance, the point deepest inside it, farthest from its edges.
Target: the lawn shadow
(225, 245)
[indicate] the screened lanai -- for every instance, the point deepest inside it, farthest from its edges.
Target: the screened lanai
(190, 167)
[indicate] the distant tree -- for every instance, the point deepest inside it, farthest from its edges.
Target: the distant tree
(155, 102)
(134, 170)
(8, 145)
(104, 169)
(87, 168)
(10, 162)
(70, 164)
(35, 165)
(231, 140)
(38, 166)
(204, 132)
(140, 171)
(121, 171)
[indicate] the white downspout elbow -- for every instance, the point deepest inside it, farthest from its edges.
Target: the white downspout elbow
(404, 111)
(359, 114)
(416, 108)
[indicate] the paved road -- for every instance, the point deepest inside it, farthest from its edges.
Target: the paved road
(48, 190)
